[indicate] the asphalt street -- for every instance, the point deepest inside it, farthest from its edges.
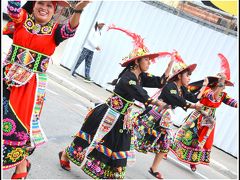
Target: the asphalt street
(62, 117)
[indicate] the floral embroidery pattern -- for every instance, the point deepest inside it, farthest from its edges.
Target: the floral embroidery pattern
(116, 103)
(99, 170)
(37, 28)
(75, 153)
(15, 154)
(94, 166)
(23, 136)
(9, 127)
(29, 24)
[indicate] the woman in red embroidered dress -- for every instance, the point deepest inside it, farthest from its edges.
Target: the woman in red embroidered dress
(35, 38)
(194, 140)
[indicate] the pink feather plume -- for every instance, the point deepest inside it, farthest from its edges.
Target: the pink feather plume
(177, 57)
(138, 41)
(224, 65)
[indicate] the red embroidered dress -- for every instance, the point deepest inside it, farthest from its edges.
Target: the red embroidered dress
(25, 82)
(195, 130)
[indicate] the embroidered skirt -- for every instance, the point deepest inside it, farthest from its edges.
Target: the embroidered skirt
(108, 159)
(152, 132)
(21, 111)
(186, 142)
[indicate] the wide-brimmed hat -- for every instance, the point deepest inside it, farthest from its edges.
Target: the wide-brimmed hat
(216, 78)
(138, 54)
(139, 51)
(28, 6)
(179, 67)
(225, 70)
(212, 81)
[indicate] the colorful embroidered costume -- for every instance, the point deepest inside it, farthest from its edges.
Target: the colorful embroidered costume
(194, 130)
(112, 145)
(154, 130)
(24, 73)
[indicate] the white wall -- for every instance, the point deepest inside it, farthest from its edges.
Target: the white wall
(162, 31)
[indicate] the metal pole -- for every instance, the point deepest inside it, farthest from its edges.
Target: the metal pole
(89, 30)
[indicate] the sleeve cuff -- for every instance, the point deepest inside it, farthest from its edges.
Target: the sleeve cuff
(67, 31)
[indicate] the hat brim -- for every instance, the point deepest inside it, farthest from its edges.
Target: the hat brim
(63, 3)
(150, 56)
(215, 79)
(190, 68)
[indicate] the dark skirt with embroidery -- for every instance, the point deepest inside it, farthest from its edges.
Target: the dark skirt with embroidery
(186, 141)
(109, 159)
(151, 137)
(19, 107)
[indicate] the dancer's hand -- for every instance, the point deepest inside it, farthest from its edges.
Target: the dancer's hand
(81, 5)
(198, 106)
(205, 82)
(163, 105)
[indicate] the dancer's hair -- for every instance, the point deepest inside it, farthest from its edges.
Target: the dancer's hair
(130, 66)
(176, 78)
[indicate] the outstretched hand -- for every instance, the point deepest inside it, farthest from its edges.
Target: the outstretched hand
(81, 5)
(74, 20)
(198, 106)
(205, 82)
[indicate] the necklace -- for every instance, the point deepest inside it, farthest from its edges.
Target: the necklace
(38, 28)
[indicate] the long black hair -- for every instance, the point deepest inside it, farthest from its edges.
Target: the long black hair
(130, 66)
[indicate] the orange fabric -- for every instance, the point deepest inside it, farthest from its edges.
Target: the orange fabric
(22, 101)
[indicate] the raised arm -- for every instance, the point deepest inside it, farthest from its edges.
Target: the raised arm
(169, 67)
(65, 31)
(194, 97)
(230, 101)
(75, 18)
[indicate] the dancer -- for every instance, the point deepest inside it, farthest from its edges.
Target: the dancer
(193, 141)
(35, 38)
(105, 136)
(154, 129)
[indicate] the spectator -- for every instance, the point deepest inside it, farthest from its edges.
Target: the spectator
(90, 46)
